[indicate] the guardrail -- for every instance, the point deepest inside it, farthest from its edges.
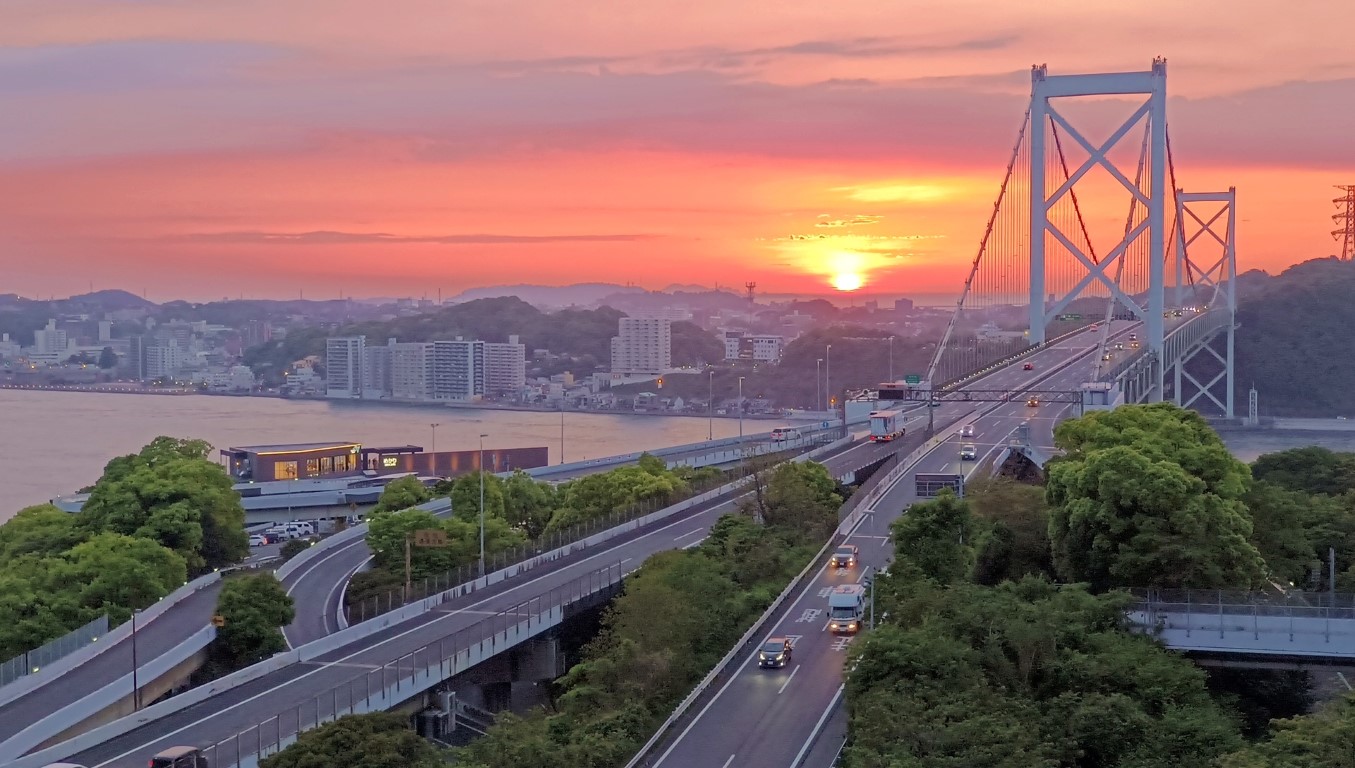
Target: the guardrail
(399, 680)
(119, 633)
(628, 458)
(740, 649)
(34, 660)
(90, 704)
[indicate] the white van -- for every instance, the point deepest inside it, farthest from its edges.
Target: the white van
(782, 434)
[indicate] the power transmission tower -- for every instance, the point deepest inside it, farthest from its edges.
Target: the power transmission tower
(750, 286)
(1345, 221)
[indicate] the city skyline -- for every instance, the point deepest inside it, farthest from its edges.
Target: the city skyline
(242, 148)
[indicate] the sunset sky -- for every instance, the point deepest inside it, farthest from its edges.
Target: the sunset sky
(193, 149)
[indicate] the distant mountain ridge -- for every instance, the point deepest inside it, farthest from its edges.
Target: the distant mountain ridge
(577, 295)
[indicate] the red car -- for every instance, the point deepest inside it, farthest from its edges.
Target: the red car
(1029, 366)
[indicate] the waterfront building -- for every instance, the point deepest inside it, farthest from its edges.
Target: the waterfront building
(505, 368)
(458, 370)
(343, 366)
(50, 340)
(376, 371)
(411, 368)
(643, 345)
(163, 360)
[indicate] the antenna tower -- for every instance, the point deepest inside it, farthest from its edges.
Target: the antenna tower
(1345, 221)
(750, 286)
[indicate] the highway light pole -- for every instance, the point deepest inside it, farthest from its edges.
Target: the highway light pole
(827, 373)
(741, 407)
(136, 689)
(710, 407)
(434, 427)
(482, 505)
(818, 380)
(891, 358)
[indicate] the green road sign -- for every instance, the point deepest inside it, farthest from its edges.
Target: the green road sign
(912, 378)
(1069, 317)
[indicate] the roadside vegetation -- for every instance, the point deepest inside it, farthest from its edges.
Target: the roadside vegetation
(1003, 639)
(254, 609)
(154, 520)
(519, 511)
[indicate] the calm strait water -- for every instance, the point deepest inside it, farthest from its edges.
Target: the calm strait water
(57, 442)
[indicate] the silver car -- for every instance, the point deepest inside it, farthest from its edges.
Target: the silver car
(967, 430)
(969, 453)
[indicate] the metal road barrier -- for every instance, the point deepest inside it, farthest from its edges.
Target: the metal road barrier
(32, 661)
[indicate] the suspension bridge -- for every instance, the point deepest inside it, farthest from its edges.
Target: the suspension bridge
(1083, 233)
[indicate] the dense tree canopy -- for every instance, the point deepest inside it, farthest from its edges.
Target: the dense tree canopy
(1149, 496)
(172, 493)
(936, 539)
(255, 608)
(1325, 738)
(376, 740)
(402, 494)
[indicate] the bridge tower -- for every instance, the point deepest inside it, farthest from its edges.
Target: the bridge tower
(1212, 289)
(1048, 188)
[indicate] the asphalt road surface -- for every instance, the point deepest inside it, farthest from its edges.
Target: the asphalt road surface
(765, 718)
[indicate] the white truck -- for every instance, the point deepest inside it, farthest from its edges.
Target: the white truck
(885, 426)
(846, 608)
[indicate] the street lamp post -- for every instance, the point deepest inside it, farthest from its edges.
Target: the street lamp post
(562, 430)
(434, 427)
(741, 407)
(827, 373)
(818, 381)
(482, 505)
(136, 689)
(710, 407)
(891, 358)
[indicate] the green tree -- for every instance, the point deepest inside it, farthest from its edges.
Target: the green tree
(1014, 541)
(402, 494)
(1311, 470)
(936, 537)
(117, 574)
(387, 532)
(375, 740)
(802, 497)
(171, 493)
(527, 503)
(1325, 738)
(255, 608)
(108, 359)
(292, 548)
(1149, 496)
(39, 530)
(466, 496)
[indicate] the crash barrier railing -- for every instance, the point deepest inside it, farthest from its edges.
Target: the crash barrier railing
(44, 655)
(397, 681)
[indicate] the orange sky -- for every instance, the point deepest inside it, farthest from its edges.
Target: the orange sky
(256, 148)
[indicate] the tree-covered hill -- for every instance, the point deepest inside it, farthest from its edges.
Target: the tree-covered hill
(1296, 339)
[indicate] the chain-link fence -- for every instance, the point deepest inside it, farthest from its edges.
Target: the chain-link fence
(380, 688)
(372, 606)
(34, 660)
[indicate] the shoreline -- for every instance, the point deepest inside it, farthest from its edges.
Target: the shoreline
(484, 406)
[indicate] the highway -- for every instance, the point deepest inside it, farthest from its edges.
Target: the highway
(226, 714)
(168, 630)
(765, 717)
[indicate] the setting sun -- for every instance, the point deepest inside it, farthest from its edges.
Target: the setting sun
(848, 281)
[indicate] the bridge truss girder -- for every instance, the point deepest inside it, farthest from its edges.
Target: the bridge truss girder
(1012, 395)
(1141, 376)
(1044, 87)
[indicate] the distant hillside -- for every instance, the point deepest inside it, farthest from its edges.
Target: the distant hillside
(552, 296)
(110, 300)
(1297, 340)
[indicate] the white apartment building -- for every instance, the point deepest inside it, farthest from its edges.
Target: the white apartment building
(343, 366)
(643, 345)
(50, 340)
(411, 369)
(505, 368)
(458, 370)
(164, 360)
(744, 346)
(376, 371)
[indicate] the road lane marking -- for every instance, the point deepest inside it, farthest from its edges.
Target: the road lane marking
(818, 727)
(310, 567)
(727, 762)
(788, 679)
(696, 543)
(688, 533)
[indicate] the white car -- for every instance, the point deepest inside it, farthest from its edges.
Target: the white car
(258, 540)
(967, 430)
(969, 453)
